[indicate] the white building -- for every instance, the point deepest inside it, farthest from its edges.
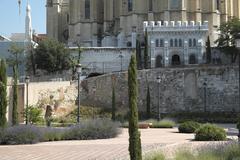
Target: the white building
(177, 43)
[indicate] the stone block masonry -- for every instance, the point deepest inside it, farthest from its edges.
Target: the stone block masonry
(181, 89)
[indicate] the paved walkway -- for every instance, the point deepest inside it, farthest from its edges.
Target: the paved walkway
(108, 149)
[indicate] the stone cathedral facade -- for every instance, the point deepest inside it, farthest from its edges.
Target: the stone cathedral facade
(117, 23)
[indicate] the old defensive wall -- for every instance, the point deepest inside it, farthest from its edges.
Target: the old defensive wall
(194, 89)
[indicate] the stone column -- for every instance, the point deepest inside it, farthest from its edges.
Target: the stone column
(198, 11)
(186, 54)
(201, 49)
(167, 12)
(134, 37)
(166, 54)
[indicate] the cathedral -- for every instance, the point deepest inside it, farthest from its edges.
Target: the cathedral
(115, 23)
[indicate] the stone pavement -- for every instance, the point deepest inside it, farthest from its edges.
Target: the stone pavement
(106, 149)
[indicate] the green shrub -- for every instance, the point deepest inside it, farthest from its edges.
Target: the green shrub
(34, 114)
(163, 124)
(95, 129)
(21, 134)
(213, 117)
(88, 112)
(53, 134)
(155, 156)
(232, 152)
(209, 132)
(184, 155)
(238, 123)
(188, 127)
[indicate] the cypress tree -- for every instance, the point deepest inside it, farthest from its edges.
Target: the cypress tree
(146, 50)
(113, 104)
(209, 51)
(15, 97)
(138, 54)
(135, 149)
(148, 103)
(3, 94)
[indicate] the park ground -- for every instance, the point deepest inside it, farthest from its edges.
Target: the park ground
(165, 140)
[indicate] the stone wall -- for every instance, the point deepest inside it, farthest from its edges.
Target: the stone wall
(181, 89)
(104, 60)
(63, 96)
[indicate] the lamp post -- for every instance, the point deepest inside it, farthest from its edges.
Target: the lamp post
(159, 81)
(79, 71)
(121, 57)
(27, 80)
(78, 43)
(205, 96)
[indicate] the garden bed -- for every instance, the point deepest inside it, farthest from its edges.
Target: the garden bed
(30, 134)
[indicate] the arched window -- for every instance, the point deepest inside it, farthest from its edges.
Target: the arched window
(87, 9)
(157, 43)
(192, 59)
(176, 60)
(171, 43)
(161, 43)
(159, 61)
(130, 5)
(180, 43)
(175, 42)
(194, 42)
(68, 18)
(190, 42)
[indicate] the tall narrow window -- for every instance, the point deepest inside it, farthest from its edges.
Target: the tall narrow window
(150, 5)
(175, 42)
(157, 42)
(190, 42)
(161, 43)
(130, 5)
(87, 9)
(180, 43)
(218, 4)
(68, 18)
(194, 42)
(171, 43)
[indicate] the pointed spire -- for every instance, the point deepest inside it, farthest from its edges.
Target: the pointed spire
(19, 6)
(28, 23)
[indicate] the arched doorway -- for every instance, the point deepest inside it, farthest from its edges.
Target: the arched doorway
(158, 62)
(176, 60)
(192, 59)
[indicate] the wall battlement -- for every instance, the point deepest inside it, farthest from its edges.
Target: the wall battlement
(172, 25)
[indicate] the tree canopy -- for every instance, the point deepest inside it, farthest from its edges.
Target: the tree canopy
(52, 56)
(227, 37)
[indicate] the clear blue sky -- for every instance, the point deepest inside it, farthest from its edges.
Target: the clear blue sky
(11, 22)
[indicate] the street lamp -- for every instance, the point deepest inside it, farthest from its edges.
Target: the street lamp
(159, 81)
(77, 42)
(205, 96)
(27, 80)
(79, 71)
(121, 57)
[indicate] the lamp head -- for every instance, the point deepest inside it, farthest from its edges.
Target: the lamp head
(27, 79)
(79, 68)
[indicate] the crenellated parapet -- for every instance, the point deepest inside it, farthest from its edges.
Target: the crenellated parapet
(174, 26)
